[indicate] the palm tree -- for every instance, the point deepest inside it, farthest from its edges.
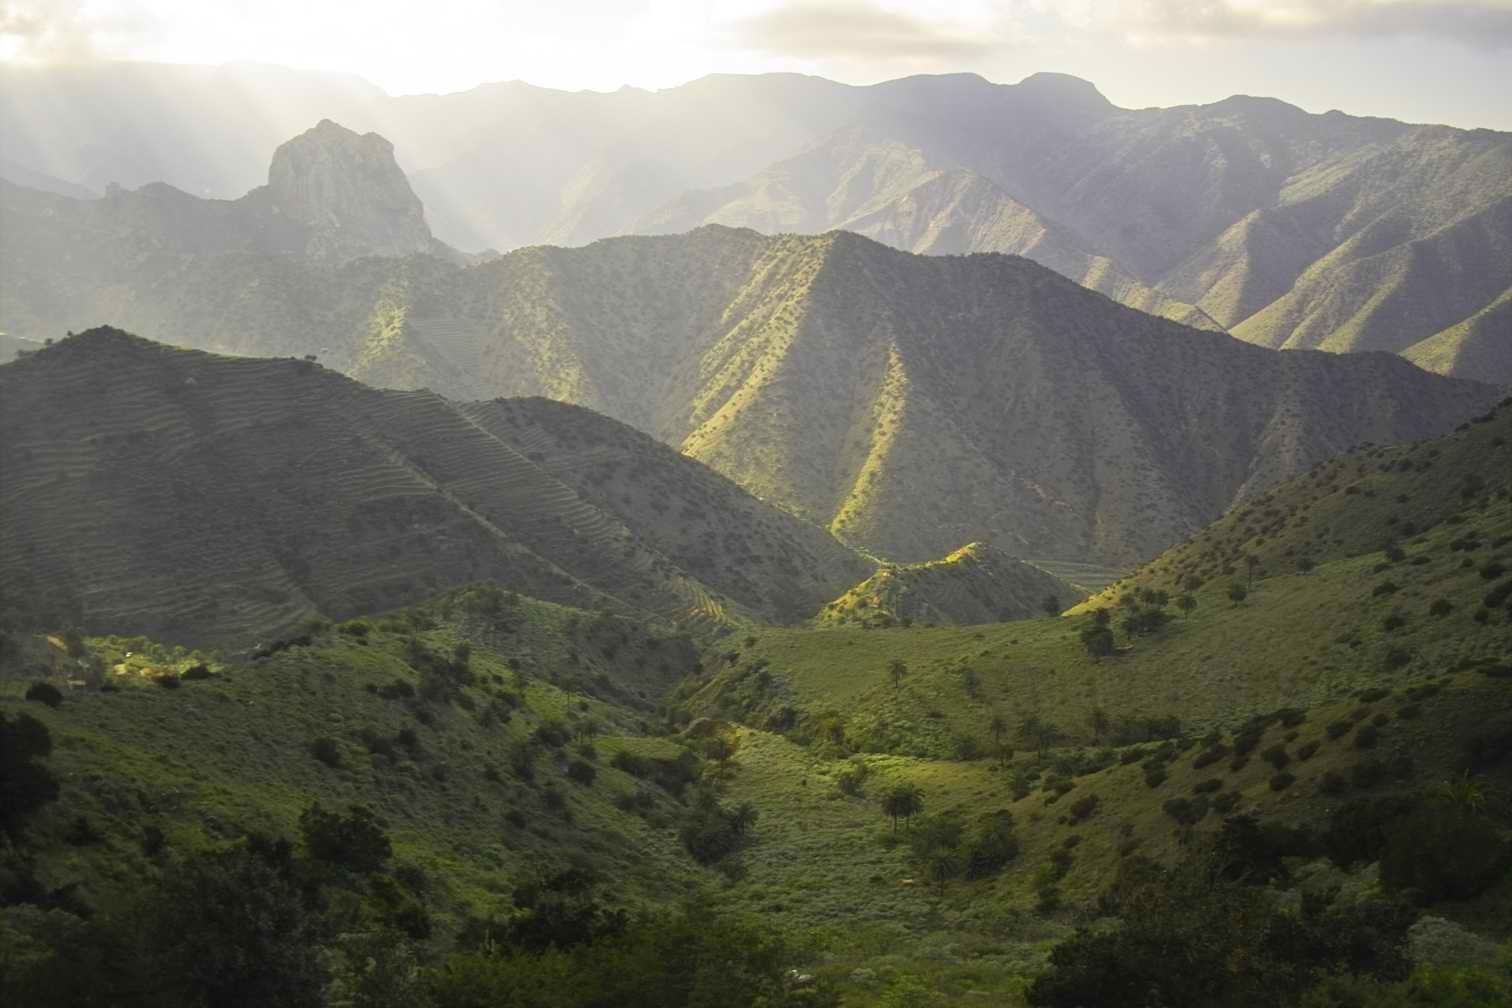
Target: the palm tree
(903, 802)
(898, 668)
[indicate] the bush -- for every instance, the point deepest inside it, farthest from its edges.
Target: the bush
(1209, 786)
(1083, 807)
(1209, 756)
(581, 772)
(1276, 756)
(1186, 811)
(326, 751)
(990, 846)
(1306, 750)
(1155, 776)
(1337, 729)
(1366, 736)
(44, 693)
(354, 841)
(1442, 849)
(1282, 781)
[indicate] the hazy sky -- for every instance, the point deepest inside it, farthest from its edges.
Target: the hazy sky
(1420, 60)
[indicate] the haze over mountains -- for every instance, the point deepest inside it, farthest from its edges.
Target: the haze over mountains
(1286, 228)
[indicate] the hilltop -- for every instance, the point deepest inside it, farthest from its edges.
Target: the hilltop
(197, 498)
(978, 583)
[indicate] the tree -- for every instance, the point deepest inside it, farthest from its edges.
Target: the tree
(897, 668)
(25, 784)
(1097, 639)
(354, 841)
(903, 801)
(1100, 723)
(236, 928)
(1186, 603)
(997, 727)
(1051, 605)
(1039, 733)
(1237, 593)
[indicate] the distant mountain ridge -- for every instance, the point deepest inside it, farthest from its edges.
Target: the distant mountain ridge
(841, 380)
(1287, 228)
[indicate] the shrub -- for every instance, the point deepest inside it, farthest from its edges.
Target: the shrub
(990, 846)
(1208, 786)
(197, 672)
(1155, 776)
(1247, 738)
(581, 772)
(325, 750)
(1225, 803)
(1441, 607)
(1276, 756)
(44, 693)
(1186, 811)
(354, 841)
(1306, 750)
(1366, 737)
(1332, 783)
(1336, 729)
(1209, 756)
(1442, 850)
(1367, 773)
(1083, 807)
(1291, 717)
(1282, 781)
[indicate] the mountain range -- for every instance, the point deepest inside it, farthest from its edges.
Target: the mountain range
(210, 499)
(1286, 228)
(910, 404)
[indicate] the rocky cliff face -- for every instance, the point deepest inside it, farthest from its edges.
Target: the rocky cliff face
(348, 193)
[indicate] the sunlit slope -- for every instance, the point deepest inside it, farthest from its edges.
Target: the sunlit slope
(196, 497)
(1362, 502)
(856, 385)
(978, 583)
(1478, 345)
(907, 403)
(1358, 618)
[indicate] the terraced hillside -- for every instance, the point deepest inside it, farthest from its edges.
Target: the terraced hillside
(192, 497)
(978, 583)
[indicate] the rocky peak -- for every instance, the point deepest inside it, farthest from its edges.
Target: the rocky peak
(348, 193)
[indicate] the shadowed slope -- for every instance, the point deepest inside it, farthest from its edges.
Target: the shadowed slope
(194, 497)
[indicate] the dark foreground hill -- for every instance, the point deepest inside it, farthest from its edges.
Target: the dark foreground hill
(193, 497)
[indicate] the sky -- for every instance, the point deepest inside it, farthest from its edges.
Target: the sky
(1419, 60)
